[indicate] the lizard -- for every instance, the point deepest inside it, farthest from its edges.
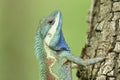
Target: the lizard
(54, 55)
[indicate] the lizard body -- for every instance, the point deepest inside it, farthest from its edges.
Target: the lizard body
(53, 52)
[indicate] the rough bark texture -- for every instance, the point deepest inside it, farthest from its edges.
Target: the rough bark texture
(103, 40)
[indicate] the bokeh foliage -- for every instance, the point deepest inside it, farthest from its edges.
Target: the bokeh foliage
(18, 22)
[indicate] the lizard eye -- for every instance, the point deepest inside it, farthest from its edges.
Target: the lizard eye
(51, 20)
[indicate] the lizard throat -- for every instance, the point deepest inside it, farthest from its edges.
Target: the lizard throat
(50, 49)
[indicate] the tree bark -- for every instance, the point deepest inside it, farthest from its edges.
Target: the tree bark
(103, 40)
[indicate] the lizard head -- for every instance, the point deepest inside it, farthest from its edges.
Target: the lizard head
(51, 31)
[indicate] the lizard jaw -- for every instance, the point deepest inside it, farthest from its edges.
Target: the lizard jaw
(54, 38)
(52, 31)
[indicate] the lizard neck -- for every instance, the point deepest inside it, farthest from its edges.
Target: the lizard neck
(46, 60)
(51, 61)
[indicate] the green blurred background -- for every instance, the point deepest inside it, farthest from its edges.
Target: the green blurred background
(18, 22)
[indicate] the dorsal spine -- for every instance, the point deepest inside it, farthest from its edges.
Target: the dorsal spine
(41, 54)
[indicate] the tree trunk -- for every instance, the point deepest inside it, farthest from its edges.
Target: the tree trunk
(103, 40)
